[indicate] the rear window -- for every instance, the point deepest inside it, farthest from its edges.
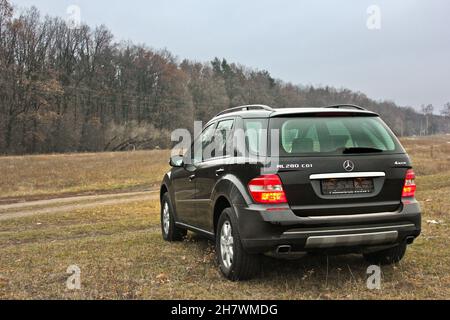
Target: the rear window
(334, 135)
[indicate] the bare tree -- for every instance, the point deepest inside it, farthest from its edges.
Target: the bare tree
(445, 112)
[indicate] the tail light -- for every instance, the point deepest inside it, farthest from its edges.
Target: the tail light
(409, 189)
(267, 189)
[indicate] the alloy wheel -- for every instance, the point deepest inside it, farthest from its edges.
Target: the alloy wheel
(226, 245)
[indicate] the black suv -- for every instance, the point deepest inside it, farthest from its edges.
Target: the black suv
(332, 179)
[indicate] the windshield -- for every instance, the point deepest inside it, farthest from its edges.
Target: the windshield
(334, 136)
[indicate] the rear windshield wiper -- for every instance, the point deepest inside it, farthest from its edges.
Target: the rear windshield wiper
(361, 150)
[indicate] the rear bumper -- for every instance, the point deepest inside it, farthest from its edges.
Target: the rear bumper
(264, 230)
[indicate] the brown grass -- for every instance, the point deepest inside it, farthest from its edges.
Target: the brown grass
(431, 155)
(59, 175)
(122, 256)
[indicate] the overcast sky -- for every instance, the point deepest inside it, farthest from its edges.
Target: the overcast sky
(407, 60)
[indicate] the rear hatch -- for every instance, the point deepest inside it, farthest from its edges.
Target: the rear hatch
(338, 164)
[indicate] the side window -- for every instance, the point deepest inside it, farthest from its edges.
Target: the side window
(256, 136)
(204, 145)
(222, 138)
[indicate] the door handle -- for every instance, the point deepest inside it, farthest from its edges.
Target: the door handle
(191, 178)
(220, 171)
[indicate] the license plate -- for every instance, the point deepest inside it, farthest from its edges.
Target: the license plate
(347, 186)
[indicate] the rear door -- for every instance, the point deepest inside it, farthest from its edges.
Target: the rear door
(340, 165)
(212, 168)
(185, 179)
(184, 191)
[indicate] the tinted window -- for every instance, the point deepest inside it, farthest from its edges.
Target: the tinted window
(223, 134)
(334, 135)
(256, 136)
(204, 145)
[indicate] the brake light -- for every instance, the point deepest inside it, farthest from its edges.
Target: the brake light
(267, 189)
(409, 189)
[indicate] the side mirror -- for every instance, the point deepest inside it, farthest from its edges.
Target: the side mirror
(177, 161)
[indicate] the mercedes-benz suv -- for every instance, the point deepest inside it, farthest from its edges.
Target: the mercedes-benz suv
(260, 180)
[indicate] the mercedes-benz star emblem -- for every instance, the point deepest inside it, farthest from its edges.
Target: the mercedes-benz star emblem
(349, 166)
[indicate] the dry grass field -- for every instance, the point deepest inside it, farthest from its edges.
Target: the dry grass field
(122, 256)
(49, 176)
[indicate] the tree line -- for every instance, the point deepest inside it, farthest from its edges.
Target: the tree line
(77, 90)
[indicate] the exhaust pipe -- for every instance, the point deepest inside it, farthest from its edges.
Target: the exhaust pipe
(284, 249)
(410, 240)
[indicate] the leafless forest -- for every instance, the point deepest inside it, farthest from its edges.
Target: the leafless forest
(76, 90)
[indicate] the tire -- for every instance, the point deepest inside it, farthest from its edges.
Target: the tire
(241, 266)
(388, 256)
(169, 229)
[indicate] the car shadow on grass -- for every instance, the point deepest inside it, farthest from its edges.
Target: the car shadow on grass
(331, 269)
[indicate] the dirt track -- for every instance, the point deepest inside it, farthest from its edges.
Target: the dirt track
(61, 205)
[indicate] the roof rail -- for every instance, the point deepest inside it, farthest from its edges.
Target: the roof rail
(246, 108)
(346, 106)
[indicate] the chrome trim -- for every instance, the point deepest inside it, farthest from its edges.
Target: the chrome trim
(347, 175)
(344, 206)
(352, 239)
(350, 230)
(353, 217)
(187, 226)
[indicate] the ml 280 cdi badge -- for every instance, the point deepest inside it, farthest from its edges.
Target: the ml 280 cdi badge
(339, 181)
